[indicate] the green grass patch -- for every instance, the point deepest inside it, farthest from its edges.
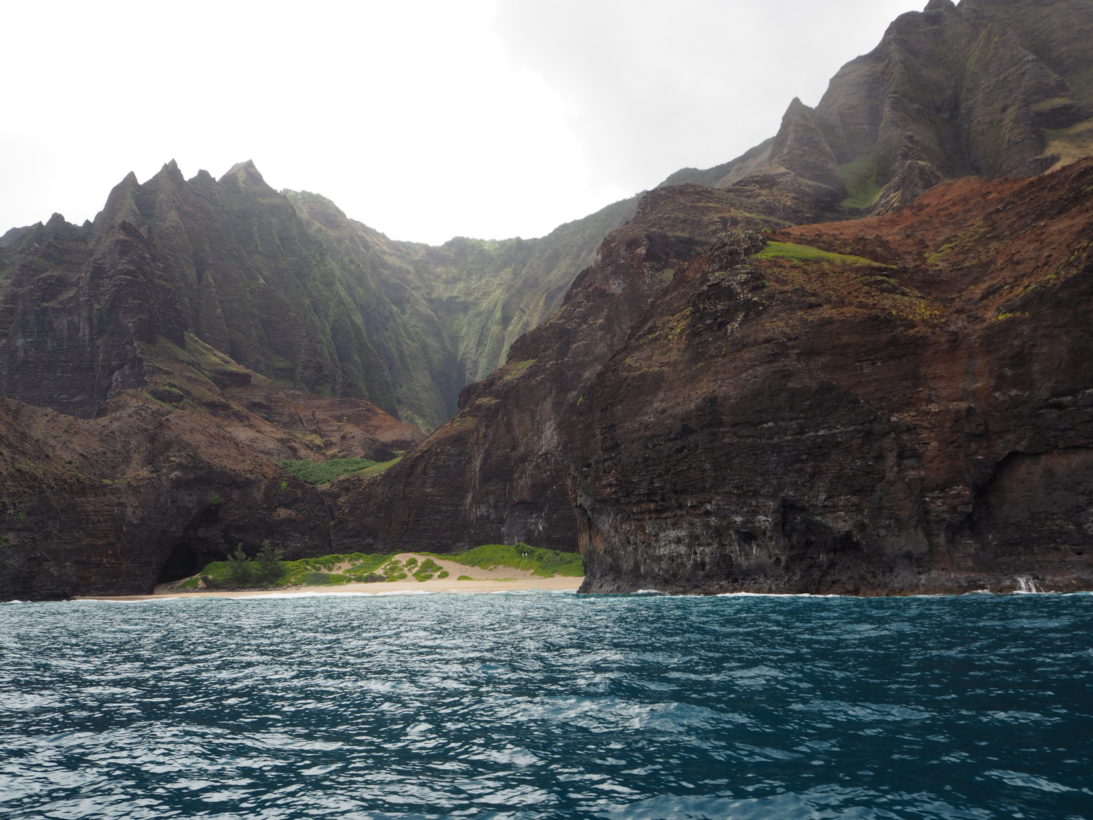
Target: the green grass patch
(542, 562)
(341, 568)
(428, 569)
(940, 253)
(807, 253)
(323, 472)
(514, 370)
(860, 178)
(379, 467)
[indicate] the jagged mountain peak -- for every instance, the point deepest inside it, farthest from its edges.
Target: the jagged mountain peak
(795, 106)
(245, 173)
(318, 208)
(170, 171)
(120, 203)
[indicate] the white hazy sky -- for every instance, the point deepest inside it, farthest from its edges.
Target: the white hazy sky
(423, 119)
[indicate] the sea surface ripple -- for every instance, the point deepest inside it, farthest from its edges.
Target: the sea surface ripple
(548, 705)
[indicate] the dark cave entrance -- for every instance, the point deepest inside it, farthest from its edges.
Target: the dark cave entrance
(182, 562)
(192, 551)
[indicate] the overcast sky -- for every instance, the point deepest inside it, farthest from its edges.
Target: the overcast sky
(425, 120)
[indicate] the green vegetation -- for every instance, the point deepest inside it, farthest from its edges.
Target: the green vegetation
(378, 468)
(323, 472)
(427, 570)
(940, 253)
(264, 570)
(1082, 85)
(860, 178)
(393, 570)
(514, 370)
(267, 564)
(847, 288)
(541, 561)
(267, 570)
(239, 569)
(807, 253)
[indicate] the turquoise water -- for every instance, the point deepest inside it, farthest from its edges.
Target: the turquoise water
(548, 705)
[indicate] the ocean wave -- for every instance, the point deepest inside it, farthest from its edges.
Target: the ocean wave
(546, 704)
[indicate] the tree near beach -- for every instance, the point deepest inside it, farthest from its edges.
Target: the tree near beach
(267, 564)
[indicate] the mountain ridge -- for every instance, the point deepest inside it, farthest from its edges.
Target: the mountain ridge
(156, 363)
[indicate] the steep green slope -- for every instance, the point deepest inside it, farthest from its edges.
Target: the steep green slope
(488, 293)
(453, 311)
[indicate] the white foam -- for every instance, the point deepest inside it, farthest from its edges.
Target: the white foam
(1026, 586)
(283, 595)
(779, 595)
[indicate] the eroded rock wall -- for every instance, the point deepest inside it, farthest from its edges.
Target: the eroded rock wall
(918, 422)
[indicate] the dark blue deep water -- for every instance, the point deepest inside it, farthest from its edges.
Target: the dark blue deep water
(548, 705)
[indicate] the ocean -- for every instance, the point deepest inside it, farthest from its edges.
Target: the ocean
(548, 705)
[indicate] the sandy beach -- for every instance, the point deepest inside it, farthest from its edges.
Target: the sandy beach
(475, 586)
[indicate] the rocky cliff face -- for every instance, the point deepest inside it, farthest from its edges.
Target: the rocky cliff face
(897, 404)
(911, 413)
(465, 302)
(497, 471)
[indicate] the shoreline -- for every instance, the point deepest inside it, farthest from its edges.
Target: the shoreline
(477, 586)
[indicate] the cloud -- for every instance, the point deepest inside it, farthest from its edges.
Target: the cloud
(652, 87)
